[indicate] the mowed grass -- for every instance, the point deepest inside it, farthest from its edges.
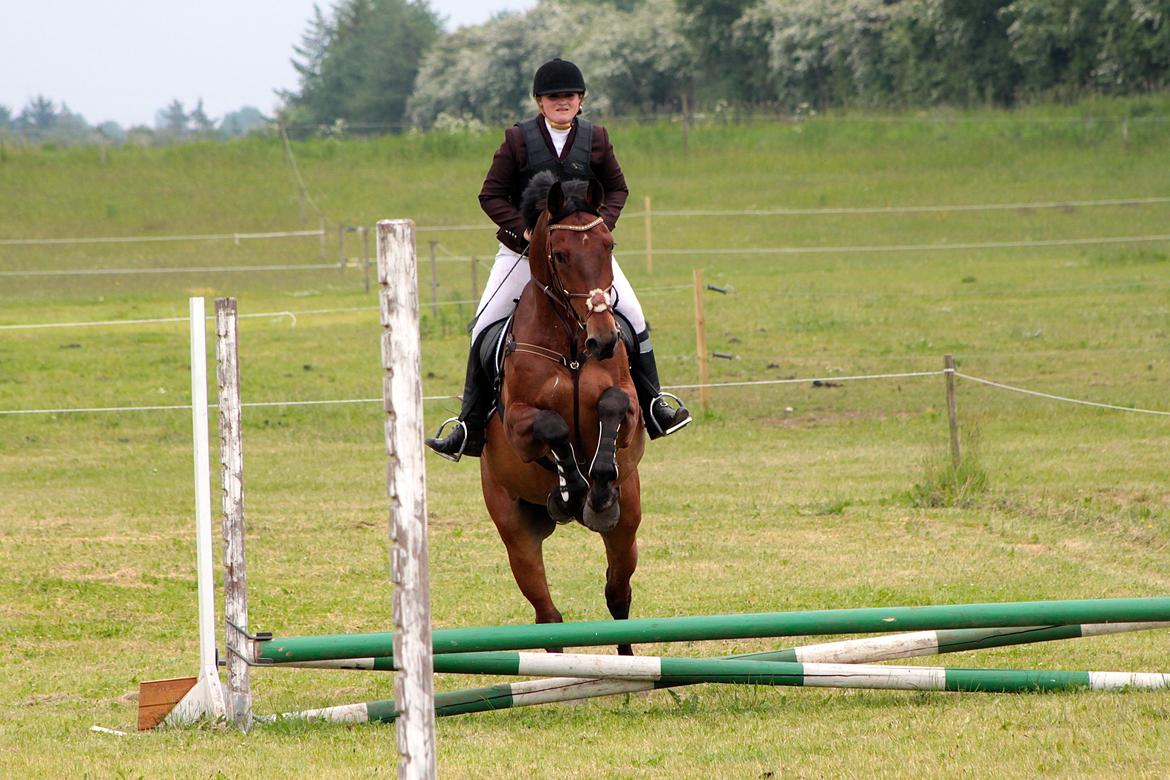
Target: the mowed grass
(786, 496)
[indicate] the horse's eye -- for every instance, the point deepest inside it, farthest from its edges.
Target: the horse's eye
(559, 257)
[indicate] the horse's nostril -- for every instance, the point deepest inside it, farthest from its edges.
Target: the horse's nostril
(591, 344)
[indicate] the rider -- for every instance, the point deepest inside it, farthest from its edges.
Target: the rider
(558, 140)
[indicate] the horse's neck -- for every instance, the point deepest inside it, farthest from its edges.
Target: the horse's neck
(536, 320)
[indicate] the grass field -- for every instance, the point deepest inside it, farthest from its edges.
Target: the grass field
(785, 496)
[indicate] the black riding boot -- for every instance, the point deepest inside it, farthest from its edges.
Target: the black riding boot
(661, 418)
(468, 436)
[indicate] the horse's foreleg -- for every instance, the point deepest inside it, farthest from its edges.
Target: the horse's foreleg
(602, 510)
(523, 528)
(564, 503)
(621, 553)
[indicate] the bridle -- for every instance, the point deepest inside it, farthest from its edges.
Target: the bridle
(597, 299)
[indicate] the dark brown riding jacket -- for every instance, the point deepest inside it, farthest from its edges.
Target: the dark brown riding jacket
(500, 196)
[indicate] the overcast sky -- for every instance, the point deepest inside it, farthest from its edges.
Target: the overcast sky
(125, 59)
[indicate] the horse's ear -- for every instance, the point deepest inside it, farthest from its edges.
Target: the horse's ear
(596, 194)
(554, 202)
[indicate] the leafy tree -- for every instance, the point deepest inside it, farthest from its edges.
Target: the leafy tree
(199, 122)
(360, 64)
(1135, 46)
(632, 60)
(241, 122)
(38, 117)
(729, 71)
(5, 118)
(173, 120)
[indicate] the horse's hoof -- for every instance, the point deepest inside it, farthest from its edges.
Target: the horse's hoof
(558, 510)
(603, 520)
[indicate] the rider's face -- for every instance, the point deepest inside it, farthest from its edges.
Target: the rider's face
(561, 107)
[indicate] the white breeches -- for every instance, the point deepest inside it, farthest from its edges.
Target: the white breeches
(510, 275)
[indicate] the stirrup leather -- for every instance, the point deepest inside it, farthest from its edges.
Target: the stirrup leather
(454, 458)
(662, 395)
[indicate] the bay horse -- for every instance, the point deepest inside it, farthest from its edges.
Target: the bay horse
(568, 443)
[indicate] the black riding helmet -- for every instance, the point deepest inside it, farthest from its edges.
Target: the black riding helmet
(556, 76)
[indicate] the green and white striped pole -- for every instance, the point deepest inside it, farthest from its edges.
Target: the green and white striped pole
(686, 671)
(758, 625)
(504, 696)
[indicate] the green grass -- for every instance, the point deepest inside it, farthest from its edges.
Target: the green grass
(787, 496)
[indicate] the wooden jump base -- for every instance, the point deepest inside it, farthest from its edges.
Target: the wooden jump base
(756, 625)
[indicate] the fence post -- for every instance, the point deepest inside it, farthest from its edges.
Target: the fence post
(701, 337)
(321, 222)
(406, 487)
(341, 248)
(474, 278)
(952, 408)
(649, 241)
(231, 458)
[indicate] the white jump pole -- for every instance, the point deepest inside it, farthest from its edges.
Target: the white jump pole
(206, 699)
(407, 489)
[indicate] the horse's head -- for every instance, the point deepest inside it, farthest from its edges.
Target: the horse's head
(571, 256)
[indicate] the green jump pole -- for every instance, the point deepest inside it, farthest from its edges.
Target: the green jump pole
(693, 670)
(755, 625)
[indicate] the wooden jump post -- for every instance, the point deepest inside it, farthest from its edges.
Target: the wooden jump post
(407, 490)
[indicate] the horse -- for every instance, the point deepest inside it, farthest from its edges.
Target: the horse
(570, 438)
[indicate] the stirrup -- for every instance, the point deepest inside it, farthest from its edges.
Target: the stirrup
(677, 426)
(454, 458)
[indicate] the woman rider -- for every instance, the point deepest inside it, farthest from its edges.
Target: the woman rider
(560, 141)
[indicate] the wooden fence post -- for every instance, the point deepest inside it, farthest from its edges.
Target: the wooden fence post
(474, 278)
(406, 486)
(701, 338)
(952, 409)
(231, 458)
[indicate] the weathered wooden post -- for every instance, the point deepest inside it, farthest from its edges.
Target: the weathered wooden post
(406, 486)
(952, 409)
(231, 457)
(701, 337)
(321, 224)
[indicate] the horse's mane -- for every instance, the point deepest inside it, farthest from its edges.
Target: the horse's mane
(535, 197)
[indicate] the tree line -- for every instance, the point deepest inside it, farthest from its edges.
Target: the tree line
(43, 121)
(384, 64)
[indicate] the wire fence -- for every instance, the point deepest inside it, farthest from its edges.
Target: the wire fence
(712, 385)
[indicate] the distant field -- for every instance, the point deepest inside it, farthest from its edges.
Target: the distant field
(781, 496)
